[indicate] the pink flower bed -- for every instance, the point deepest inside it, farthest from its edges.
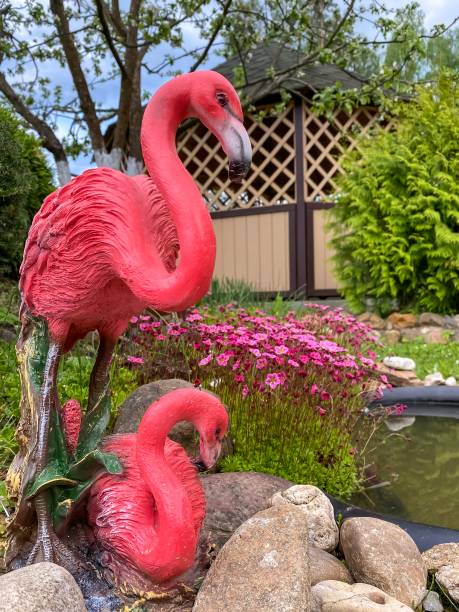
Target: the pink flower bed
(295, 377)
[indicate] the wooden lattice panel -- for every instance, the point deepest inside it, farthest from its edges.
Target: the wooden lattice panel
(324, 143)
(271, 179)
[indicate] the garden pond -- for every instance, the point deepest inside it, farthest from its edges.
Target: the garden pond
(413, 472)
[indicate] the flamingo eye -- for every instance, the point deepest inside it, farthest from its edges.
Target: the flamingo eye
(218, 432)
(222, 98)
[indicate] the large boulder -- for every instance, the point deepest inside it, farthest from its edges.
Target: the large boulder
(134, 407)
(334, 596)
(382, 554)
(263, 567)
(43, 587)
(323, 530)
(324, 566)
(232, 498)
(443, 560)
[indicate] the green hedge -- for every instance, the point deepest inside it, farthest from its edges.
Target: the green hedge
(25, 180)
(396, 221)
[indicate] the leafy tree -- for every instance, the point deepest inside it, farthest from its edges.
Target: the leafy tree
(109, 49)
(396, 220)
(25, 180)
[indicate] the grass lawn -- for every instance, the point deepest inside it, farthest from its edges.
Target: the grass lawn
(429, 358)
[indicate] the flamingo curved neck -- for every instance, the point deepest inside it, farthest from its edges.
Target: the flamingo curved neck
(176, 540)
(191, 279)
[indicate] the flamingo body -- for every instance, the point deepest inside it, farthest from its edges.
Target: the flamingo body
(148, 518)
(122, 510)
(80, 251)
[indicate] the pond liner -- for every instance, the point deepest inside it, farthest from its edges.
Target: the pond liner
(439, 401)
(425, 536)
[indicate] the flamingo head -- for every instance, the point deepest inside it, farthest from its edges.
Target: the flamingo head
(212, 427)
(214, 101)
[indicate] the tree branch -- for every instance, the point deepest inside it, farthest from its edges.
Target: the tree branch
(106, 30)
(79, 79)
(211, 41)
(47, 136)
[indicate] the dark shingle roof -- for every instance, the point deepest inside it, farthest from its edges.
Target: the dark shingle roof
(311, 78)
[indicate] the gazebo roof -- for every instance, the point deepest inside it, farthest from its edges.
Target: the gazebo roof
(308, 79)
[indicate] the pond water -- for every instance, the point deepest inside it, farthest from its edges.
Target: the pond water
(414, 472)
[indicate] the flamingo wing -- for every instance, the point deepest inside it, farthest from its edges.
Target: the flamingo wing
(97, 228)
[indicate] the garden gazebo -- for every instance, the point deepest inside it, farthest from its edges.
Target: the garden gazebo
(271, 230)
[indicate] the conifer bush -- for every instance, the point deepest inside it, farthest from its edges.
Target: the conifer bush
(25, 180)
(396, 219)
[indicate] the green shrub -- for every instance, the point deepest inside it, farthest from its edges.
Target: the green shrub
(396, 219)
(25, 180)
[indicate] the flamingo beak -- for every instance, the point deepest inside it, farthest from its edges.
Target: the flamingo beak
(236, 144)
(208, 455)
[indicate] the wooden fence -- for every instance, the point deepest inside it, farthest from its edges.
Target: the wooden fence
(271, 231)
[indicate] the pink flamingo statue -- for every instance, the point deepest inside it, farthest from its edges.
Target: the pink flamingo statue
(148, 518)
(106, 245)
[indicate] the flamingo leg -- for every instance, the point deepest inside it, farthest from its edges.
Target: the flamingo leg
(100, 372)
(48, 547)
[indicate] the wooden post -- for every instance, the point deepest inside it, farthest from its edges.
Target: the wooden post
(301, 219)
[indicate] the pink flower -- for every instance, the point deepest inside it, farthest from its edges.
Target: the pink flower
(133, 359)
(255, 352)
(239, 378)
(134, 320)
(322, 411)
(145, 317)
(194, 316)
(274, 379)
(324, 396)
(293, 363)
(261, 363)
(205, 360)
(281, 350)
(245, 391)
(314, 389)
(223, 358)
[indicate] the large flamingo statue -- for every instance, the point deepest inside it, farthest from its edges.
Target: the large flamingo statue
(148, 518)
(106, 245)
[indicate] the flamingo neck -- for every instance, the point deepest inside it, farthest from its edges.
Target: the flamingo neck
(176, 539)
(190, 281)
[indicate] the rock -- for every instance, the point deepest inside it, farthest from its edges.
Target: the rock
(324, 566)
(443, 559)
(399, 378)
(440, 555)
(437, 336)
(430, 318)
(323, 530)
(450, 381)
(400, 363)
(43, 587)
(134, 407)
(456, 320)
(232, 498)
(263, 567)
(382, 554)
(391, 337)
(436, 378)
(8, 332)
(334, 596)
(432, 602)
(401, 321)
(411, 333)
(372, 319)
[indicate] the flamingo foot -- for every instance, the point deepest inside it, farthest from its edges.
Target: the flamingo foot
(48, 547)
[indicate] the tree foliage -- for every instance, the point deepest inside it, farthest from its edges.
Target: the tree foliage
(109, 51)
(396, 220)
(25, 179)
